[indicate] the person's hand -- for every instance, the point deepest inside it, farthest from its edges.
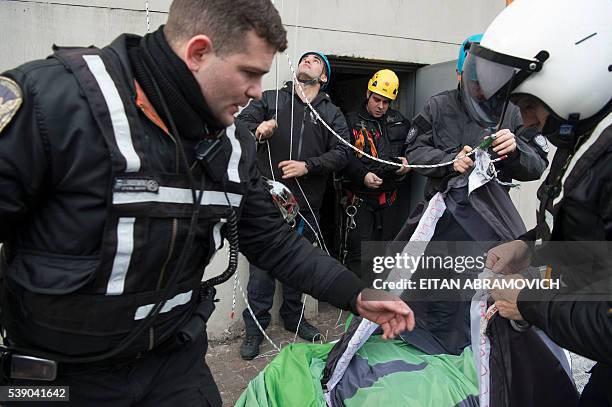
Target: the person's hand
(388, 311)
(509, 258)
(372, 180)
(504, 142)
(292, 168)
(505, 300)
(265, 129)
(403, 169)
(463, 164)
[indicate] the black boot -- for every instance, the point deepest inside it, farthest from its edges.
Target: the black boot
(250, 346)
(307, 331)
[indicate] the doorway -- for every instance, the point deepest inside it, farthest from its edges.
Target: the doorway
(347, 90)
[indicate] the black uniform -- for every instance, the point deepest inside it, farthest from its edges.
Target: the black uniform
(310, 142)
(437, 135)
(373, 218)
(95, 208)
(579, 316)
(444, 126)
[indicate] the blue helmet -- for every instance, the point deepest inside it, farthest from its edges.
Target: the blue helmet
(463, 51)
(325, 61)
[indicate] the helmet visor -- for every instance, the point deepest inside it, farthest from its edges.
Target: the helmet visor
(485, 88)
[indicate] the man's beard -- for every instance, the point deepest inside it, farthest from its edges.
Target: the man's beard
(303, 76)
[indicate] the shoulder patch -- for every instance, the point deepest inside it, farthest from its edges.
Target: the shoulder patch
(10, 100)
(412, 134)
(540, 140)
(422, 123)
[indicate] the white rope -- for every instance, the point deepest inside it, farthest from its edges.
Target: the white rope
(297, 328)
(315, 233)
(148, 16)
(338, 320)
(301, 89)
(297, 29)
(496, 177)
(234, 296)
(320, 233)
(270, 160)
(255, 319)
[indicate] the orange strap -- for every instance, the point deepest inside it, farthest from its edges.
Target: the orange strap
(142, 101)
(360, 137)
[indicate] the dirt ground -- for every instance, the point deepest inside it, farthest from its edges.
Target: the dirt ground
(233, 374)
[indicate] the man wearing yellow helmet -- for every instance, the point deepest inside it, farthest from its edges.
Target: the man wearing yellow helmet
(371, 186)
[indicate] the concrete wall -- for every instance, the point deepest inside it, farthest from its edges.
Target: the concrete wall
(420, 31)
(417, 31)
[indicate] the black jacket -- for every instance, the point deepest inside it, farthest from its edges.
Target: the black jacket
(388, 135)
(444, 126)
(67, 198)
(312, 142)
(579, 315)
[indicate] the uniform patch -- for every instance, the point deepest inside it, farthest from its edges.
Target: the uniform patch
(412, 134)
(10, 100)
(541, 142)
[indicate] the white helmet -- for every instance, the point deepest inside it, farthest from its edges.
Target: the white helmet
(559, 51)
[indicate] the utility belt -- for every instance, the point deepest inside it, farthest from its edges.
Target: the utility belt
(372, 200)
(14, 365)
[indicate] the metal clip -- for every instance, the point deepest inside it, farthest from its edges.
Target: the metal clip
(351, 211)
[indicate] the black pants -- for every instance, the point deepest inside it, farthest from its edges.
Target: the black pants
(371, 224)
(179, 378)
(261, 288)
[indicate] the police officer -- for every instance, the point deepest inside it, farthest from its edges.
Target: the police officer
(371, 186)
(449, 127)
(561, 80)
(120, 170)
(301, 157)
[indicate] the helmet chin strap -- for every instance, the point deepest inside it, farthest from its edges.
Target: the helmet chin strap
(311, 81)
(560, 133)
(565, 133)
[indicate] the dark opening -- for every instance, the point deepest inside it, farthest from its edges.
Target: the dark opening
(347, 90)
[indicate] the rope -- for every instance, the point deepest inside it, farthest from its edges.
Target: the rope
(255, 319)
(315, 233)
(148, 16)
(484, 144)
(234, 296)
(320, 233)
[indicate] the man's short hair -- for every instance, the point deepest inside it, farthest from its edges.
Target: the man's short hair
(226, 22)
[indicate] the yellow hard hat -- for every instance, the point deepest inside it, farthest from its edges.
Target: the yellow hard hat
(385, 83)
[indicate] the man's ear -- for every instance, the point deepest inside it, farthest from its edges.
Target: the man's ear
(323, 78)
(197, 52)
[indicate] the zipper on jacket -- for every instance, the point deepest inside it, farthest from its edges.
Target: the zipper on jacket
(163, 271)
(300, 140)
(174, 224)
